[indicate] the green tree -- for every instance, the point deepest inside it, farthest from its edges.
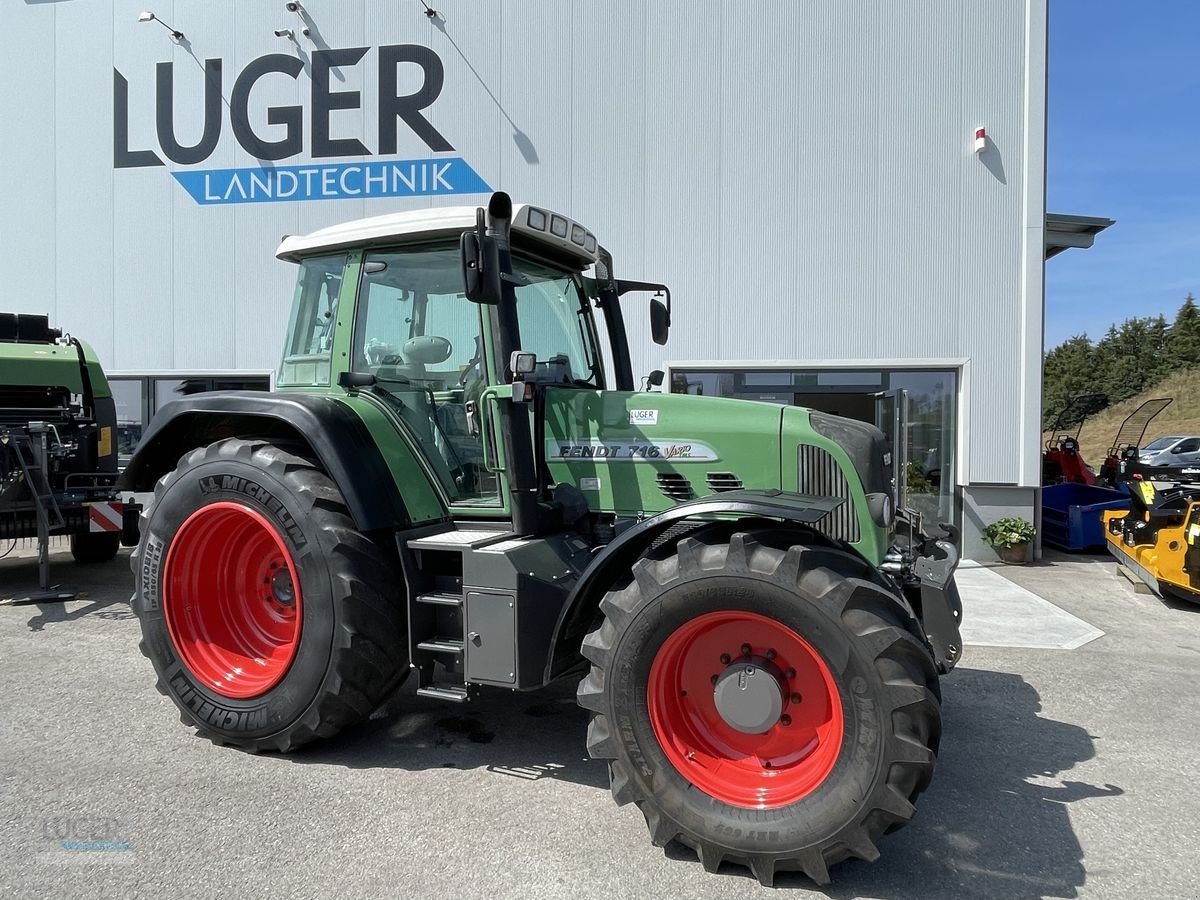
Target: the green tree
(1129, 359)
(1183, 340)
(1067, 372)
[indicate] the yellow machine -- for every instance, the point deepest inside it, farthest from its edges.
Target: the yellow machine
(1159, 537)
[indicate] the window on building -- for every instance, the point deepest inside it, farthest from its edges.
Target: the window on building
(139, 397)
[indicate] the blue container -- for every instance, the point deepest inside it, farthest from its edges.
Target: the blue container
(1071, 514)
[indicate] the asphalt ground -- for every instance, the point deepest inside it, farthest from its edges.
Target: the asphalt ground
(1063, 773)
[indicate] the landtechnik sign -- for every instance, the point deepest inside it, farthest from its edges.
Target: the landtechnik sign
(268, 183)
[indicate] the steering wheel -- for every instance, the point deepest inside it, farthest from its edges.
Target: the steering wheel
(377, 353)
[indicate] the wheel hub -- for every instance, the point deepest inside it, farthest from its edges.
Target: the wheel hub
(749, 695)
(282, 587)
(745, 709)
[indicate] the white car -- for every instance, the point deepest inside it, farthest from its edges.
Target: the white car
(1171, 451)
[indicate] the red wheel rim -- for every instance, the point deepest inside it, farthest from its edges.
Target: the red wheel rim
(226, 586)
(754, 771)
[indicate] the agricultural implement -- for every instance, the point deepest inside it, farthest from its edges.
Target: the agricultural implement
(1062, 459)
(454, 482)
(1074, 507)
(1128, 442)
(1158, 539)
(58, 459)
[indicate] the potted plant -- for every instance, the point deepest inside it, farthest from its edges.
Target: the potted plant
(1011, 538)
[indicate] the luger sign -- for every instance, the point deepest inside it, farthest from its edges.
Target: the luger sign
(316, 181)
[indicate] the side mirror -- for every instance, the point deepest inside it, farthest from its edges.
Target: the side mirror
(660, 322)
(481, 262)
(654, 379)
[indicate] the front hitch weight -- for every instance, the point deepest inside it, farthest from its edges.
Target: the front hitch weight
(941, 608)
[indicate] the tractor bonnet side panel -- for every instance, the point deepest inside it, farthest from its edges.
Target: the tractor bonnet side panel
(640, 453)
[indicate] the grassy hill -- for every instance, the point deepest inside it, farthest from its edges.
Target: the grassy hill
(1181, 417)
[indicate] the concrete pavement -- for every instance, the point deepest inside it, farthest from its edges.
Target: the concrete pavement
(1063, 773)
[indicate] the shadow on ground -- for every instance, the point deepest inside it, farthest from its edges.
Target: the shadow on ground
(103, 589)
(526, 736)
(994, 824)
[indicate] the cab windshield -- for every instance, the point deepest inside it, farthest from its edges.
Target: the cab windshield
(414, 298)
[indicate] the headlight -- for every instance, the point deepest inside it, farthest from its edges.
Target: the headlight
(881, 509)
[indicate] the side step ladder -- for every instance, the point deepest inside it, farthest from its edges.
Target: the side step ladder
(33, 455)
(446, 608)
(436, 615)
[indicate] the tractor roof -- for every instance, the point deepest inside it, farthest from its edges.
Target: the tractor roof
(550, 228)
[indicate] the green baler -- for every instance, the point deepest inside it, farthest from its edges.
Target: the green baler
(53, 390)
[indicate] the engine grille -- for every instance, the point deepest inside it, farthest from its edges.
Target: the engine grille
(674, 485)
(723, 481)
(820, 476)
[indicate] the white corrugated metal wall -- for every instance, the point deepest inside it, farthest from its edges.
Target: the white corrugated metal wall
(800, 173)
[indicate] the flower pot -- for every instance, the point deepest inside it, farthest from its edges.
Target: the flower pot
(1014, 554)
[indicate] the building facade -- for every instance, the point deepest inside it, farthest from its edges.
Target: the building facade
(804, 175)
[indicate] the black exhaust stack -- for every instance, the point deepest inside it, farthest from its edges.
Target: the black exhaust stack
(515, 421)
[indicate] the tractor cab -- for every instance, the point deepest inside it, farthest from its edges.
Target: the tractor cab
(413, 317)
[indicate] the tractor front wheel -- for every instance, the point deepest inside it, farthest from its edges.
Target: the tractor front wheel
(269, 619)
(765, 704)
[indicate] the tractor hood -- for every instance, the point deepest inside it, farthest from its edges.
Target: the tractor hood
(640, 453)
(637, 454)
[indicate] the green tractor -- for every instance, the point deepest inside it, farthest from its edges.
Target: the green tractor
(451, 481)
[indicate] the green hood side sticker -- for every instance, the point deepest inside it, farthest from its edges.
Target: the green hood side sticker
(676, 451)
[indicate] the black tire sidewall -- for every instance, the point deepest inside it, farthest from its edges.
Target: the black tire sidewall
(201, 484)
(857, 771)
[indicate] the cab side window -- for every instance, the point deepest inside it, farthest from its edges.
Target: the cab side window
(309, 345)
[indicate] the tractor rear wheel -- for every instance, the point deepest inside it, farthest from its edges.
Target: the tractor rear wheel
(768, 705)
(269, 619)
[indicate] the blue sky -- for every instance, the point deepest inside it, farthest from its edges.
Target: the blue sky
(1124, 142)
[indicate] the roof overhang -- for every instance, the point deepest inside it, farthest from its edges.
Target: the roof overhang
(1064, 232)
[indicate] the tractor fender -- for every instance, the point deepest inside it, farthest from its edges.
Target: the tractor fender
(334, 435)
(617, 557)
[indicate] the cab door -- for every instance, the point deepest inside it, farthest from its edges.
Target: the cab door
(424, 343)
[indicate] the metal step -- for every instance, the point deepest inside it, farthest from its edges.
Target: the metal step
(441, 645)
(454, 693)
(458, 539)
(441, 598)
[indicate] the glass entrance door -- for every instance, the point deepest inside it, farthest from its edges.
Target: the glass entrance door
(891, 417)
